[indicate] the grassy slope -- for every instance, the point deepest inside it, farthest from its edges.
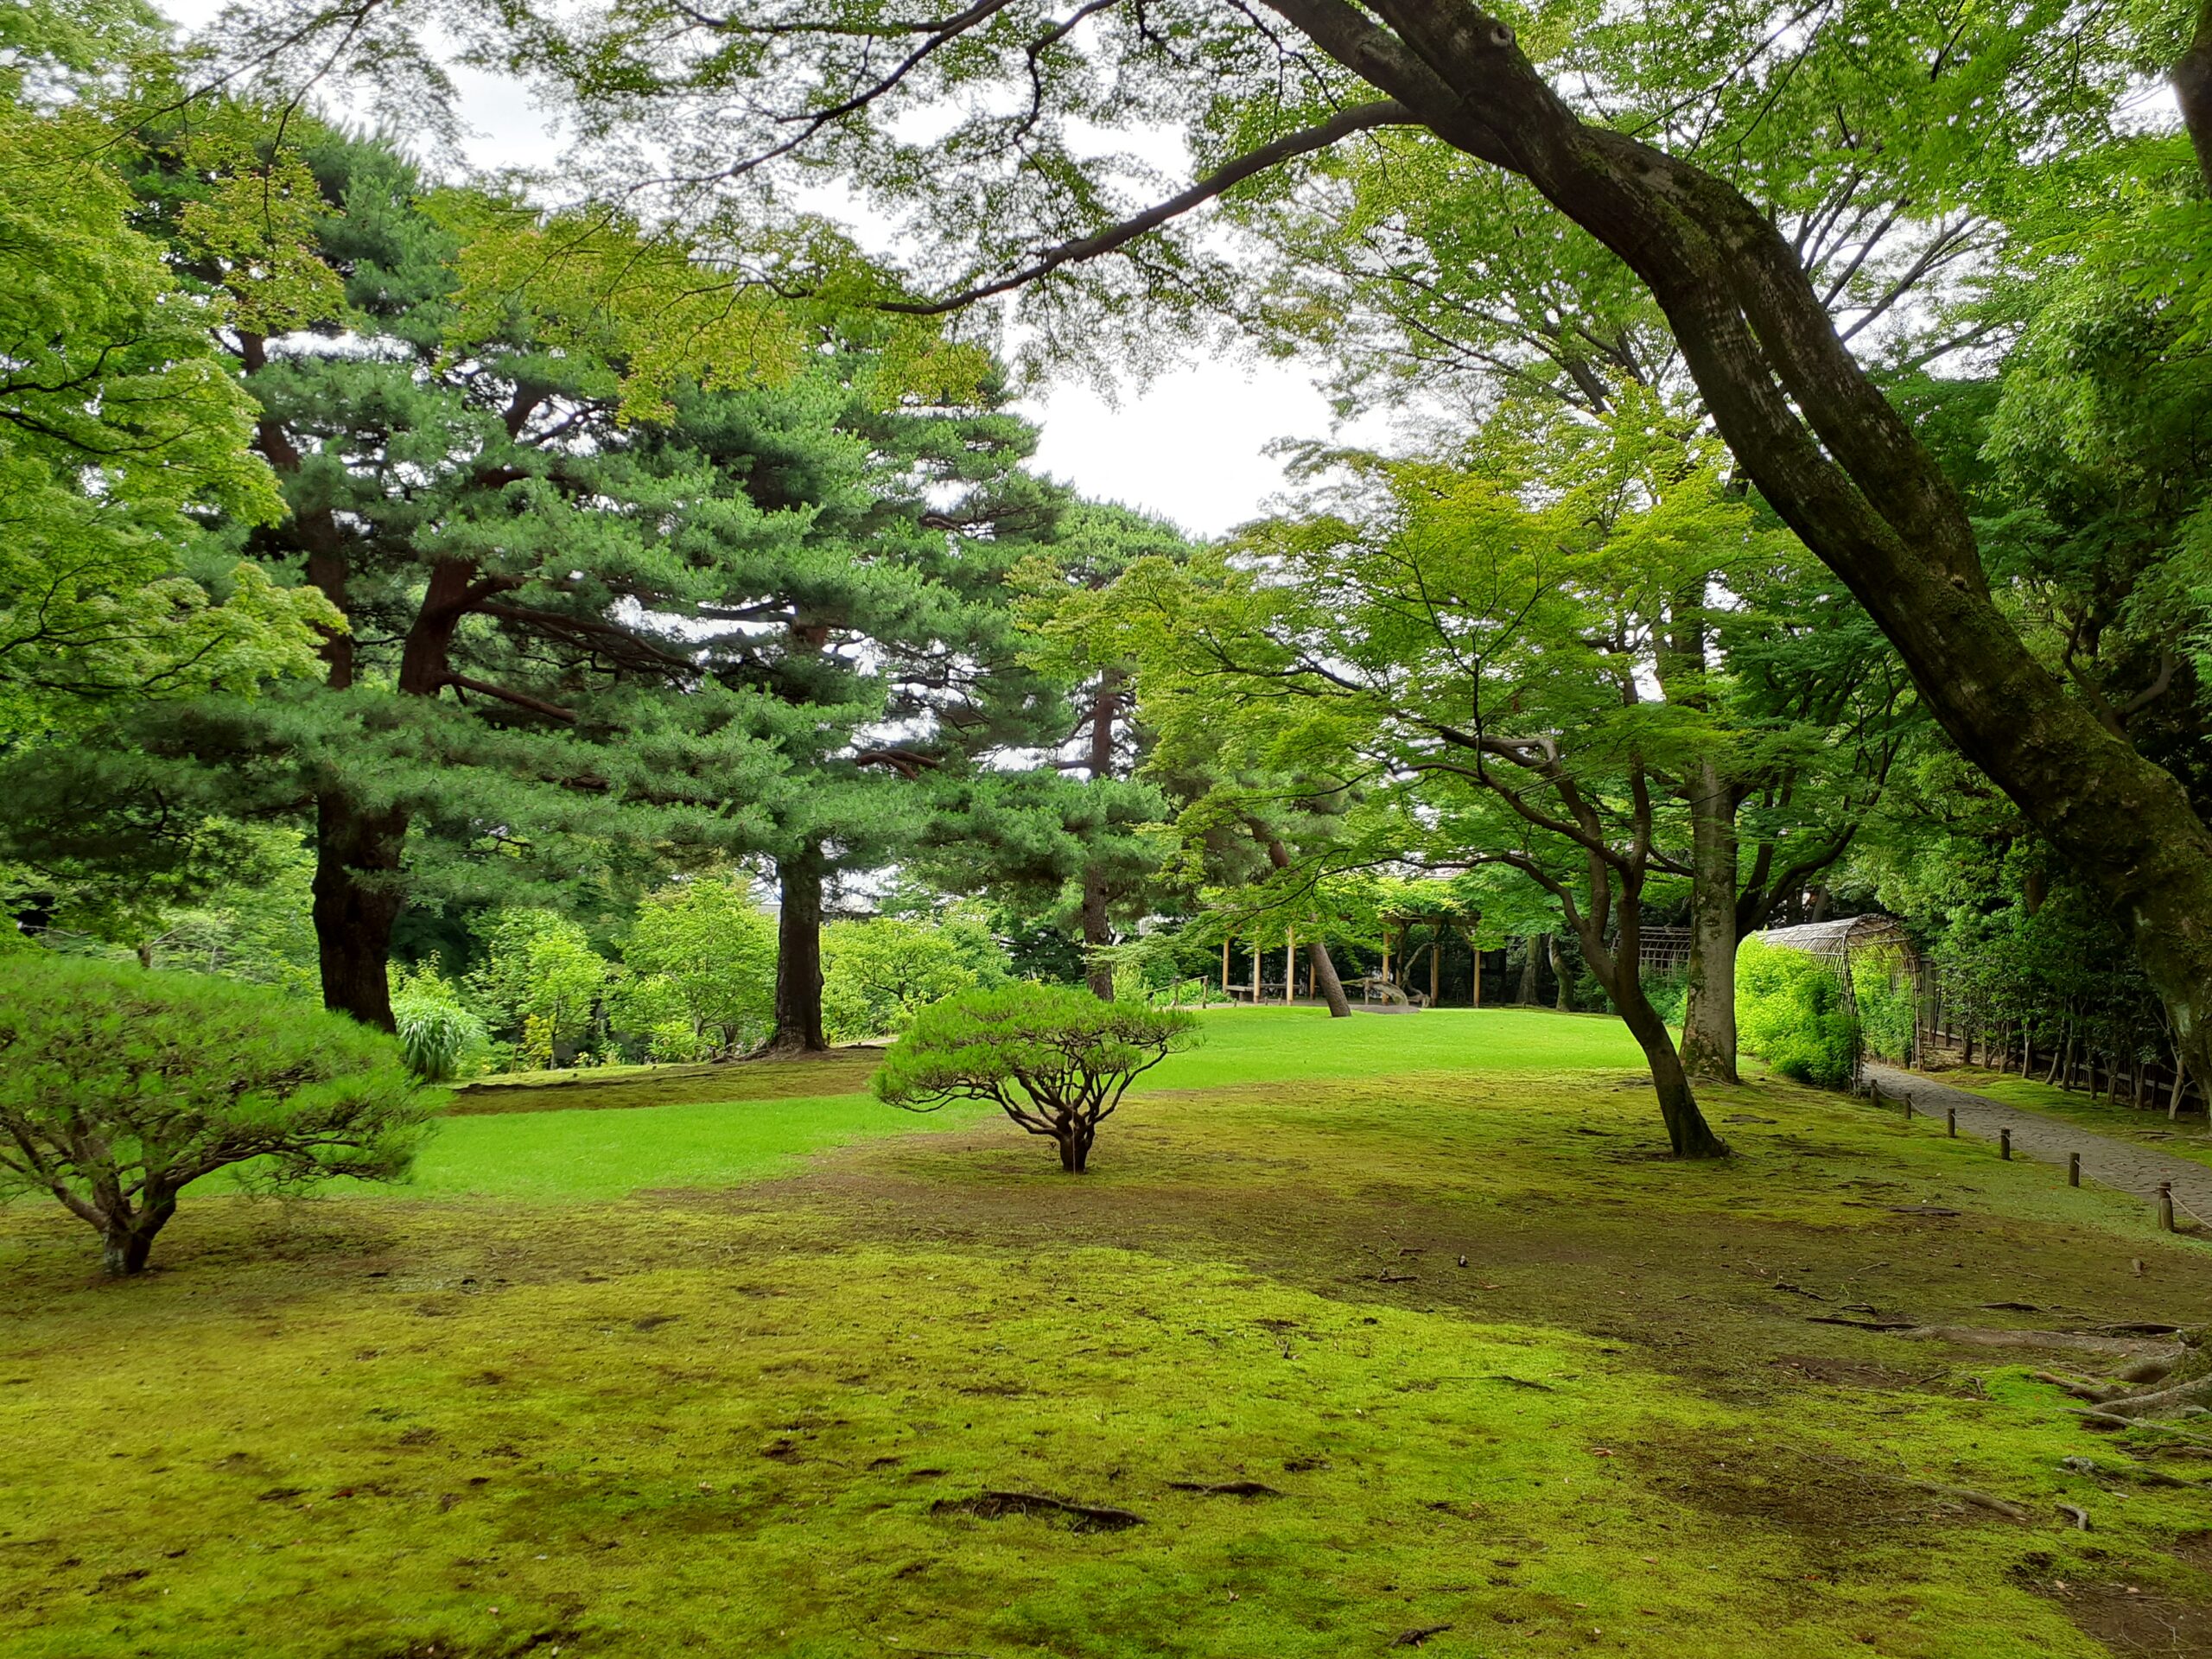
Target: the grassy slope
(724, 1419)
(2189, 1138)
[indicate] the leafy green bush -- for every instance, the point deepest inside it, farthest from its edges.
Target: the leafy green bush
(1790, 1012)
(1056, 1062)
(119, 1087)
(878, 974)
(442, 1038)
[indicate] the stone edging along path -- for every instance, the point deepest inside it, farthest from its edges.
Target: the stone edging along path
(2110, 1162)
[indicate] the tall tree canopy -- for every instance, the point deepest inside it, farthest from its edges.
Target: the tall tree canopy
(1721, 159)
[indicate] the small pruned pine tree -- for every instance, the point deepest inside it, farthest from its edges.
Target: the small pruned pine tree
(1056, 1062)
(120, 1087)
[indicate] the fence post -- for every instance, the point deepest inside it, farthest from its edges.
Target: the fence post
(2073, 1169)
(2004, 1143)
(1951, 1121)
(2165, 1206)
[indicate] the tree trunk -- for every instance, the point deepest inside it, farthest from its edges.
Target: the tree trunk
(2192, 83)
(1826, 449)
(799, 955)
(1524, 993)
(1097, 918)
(1324, 970)
(1709, 1015)
(1097, 929)
(1562, 979)
(357, 900)
(1687, 1132)
(127, 1241)
(1074, 1143)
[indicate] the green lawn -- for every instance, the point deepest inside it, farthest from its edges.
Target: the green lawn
(737, 1377)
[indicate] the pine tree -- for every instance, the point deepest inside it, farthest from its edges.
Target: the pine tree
(871, 609)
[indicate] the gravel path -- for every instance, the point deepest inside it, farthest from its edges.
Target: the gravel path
(2120, 1164)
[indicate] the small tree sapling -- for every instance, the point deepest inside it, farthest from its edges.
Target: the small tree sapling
(119, 1088)
(1056, 1062)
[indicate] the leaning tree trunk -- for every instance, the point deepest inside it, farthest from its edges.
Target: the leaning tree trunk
(1325, 978)
(799, 955)
(1687, 1132)
(1709, 1016)
(357, 901)
(1830, 453)
(1615, 967)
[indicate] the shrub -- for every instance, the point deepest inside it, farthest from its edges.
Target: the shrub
(120, 1087)
(1790, 1012)
(442, 1038)
(1056, 1062)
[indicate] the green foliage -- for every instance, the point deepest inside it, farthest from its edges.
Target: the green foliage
(120, 432)
(443, 1040)
(540, 987)
(119, 1088)
(1790, 1012)
(1887, 1005)
(702, 958)
(1056, 1061)
(879, 975)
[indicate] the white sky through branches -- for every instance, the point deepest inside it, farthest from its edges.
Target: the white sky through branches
(1191, 446)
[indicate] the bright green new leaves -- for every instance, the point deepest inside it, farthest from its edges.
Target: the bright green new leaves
(879, 975)
(702, 957)
(120, 435)
(119, 1088)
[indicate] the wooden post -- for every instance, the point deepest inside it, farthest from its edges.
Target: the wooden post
(1225, 965)
(2004, 1143)
(2073, 1169)
(2165, 1206)
(1255, 972)
(1290, 963)
(1951, 1121)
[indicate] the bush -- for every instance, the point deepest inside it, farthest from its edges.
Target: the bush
(442, 1038)
(1056, 1062)
(1790, 1012)
(120, 1087)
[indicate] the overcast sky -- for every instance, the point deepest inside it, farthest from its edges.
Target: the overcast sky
(1189, 446)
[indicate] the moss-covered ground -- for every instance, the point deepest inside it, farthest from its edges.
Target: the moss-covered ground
(1395, 1332)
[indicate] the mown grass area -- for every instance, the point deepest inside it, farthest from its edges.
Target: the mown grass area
(2186, 1137)
(752, 1405)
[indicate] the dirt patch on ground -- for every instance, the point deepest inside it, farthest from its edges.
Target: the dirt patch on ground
(1817, 1495)
(2134, 1623)
(1858, 1373)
